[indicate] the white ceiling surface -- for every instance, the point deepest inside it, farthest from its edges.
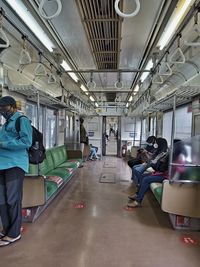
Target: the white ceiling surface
(135, 33)
(136, 30)
(69, 27)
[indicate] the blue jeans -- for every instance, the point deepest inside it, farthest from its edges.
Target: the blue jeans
(11, 187)
(137, 173)
(145, 185)
(93, 152)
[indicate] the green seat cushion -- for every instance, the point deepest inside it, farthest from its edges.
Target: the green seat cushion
(64, 152)
(157, 189)
(58, 156)
(51, 188)
(68, 165)
(47, 165)
(61, 172)
(33, 170)
(56, 179)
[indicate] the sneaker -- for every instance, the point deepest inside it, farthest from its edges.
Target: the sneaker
(133, 204)
(5, 241)
(2, 235)
(96, 157)
(132, 197)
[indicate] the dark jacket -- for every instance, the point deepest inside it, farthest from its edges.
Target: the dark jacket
(83, 134)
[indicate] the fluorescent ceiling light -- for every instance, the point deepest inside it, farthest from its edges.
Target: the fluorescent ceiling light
(83, 88)
(66, 67)
(174, 22)
(131, 98)
(136, 89)
(92, 98)
(148, 67)
(86, 93)
(29, 20)
(96, 104)
(127, 105)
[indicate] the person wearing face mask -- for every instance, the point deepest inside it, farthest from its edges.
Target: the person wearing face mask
(14, 163)
(143, 154)
(138, 170)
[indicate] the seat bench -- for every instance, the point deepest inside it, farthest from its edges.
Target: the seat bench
(44, 181)
(181, 201)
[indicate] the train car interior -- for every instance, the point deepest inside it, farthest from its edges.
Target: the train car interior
(124, 71)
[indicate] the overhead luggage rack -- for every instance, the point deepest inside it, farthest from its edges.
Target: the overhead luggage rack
(184, 94)
(31, 93)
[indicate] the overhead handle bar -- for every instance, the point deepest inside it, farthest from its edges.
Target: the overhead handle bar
(196, 29)
(165, 69)
(40, 70)
(119, 84)
(121, 14)
(24, 57)
(91, 84)
(179, 52)
(157, 79)
(55, 14)
(51, 79)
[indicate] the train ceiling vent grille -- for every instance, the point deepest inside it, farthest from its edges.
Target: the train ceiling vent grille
(103, 29)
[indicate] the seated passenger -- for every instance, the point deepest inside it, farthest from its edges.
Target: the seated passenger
(93, 152)
(144, 154)
(159, 174)
(138, 170)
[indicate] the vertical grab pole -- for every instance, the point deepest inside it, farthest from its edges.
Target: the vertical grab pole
(172, 136)
(134, 132)
(156, 128)
(38, 125)
(38, 110)
(141, 129)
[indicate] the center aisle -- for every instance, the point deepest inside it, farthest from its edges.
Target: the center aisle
(102, 233)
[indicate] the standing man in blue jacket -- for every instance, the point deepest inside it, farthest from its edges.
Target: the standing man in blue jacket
(14, 163)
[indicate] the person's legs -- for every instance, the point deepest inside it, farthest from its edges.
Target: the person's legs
(92, 153)
(137, 173)
(133, 169)
(145, 184)
(3, 205)
(82, 147)
(14, 186)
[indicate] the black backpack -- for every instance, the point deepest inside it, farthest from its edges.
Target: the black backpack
(37, 151)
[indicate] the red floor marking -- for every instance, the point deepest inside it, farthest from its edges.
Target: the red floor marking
(23, 229)
(79, 205)
(128, 208)
(189, 240)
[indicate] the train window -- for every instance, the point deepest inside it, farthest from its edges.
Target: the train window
(189, 153)
(50, 128)
(31, 113)
(183, 128)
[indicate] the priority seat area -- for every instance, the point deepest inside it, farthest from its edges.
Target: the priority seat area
(181, 201)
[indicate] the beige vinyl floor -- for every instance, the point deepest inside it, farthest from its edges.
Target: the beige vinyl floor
(103, 233)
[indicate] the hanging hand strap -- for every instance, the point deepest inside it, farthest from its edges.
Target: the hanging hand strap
(55, 14)
(121, 14)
